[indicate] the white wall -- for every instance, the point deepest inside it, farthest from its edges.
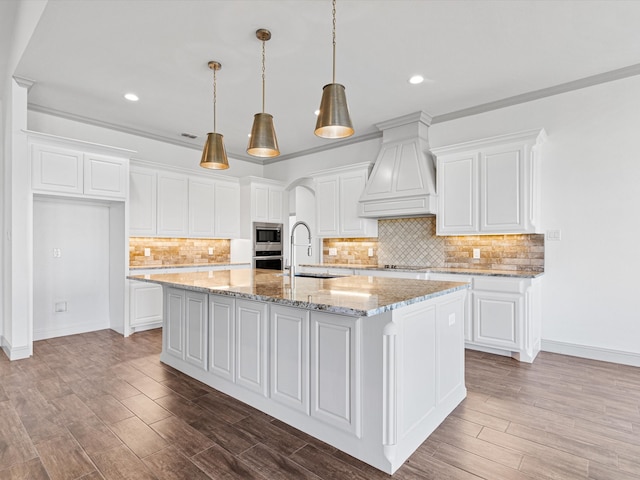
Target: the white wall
(80, 276)
(146, 149)
(590, 184)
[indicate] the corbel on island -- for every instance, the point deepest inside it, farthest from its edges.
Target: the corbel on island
(369, 365)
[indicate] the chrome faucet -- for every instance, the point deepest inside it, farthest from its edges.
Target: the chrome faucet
(292, 267)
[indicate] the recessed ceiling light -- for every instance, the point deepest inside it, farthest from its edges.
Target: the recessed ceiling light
(416, 79)
(132, 97)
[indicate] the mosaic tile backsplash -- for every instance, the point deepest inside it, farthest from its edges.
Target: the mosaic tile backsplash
(177, 251)
(413, 241)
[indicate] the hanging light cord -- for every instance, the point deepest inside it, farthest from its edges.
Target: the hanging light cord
(334, 41)
(214, 100)
(263, 61)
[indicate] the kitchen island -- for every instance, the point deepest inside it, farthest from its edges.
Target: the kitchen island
(369, 365)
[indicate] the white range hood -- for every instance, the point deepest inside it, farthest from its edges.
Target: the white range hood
(402, 182)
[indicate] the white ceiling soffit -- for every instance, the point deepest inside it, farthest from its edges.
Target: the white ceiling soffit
(475, 55)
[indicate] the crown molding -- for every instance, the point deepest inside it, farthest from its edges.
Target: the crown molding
(630, 71)
(131, 131)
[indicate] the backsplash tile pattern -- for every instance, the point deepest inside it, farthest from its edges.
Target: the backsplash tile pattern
(176, 251)
(410, 241)
(350, 250)
(501, 252)
(413, 241)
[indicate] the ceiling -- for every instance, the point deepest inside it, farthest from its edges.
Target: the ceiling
(85, 55)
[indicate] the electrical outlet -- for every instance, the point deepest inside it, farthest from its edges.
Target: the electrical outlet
(60, 307)
(554, 235)
(452, 319)
(57, 253)
(210, 250)
(476, 253)
(147, 252)
(333, 252)
(370, 252)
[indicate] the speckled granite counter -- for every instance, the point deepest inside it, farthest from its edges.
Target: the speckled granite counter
(459, 271)
(354, 295)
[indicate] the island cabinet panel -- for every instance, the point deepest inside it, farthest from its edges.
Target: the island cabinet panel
(416, 358)
(251, 345)
(335, 370)
(289, 360)
(196, 329)
(222, 337)
(185, 326)
(174, 322)
(450, 326)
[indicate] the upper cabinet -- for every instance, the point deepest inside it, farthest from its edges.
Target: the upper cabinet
(169, 204)
(70, 167)
(262, 200)
(490, 186)
(337, 195)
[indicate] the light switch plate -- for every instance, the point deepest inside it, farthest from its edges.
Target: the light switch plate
(147, 252)
(476, 253)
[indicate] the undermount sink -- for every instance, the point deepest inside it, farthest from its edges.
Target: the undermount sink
(312, 275)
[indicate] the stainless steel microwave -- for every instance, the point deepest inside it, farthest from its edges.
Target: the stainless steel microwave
(267, 234)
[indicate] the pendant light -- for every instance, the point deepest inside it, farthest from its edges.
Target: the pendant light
(214, 154)
(334, 120)
(263, 141)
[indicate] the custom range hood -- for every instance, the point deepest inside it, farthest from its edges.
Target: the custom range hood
(402, 182)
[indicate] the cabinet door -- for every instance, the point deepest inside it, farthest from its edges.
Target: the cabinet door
(196, 307)
(327, 191)
(251, 345)
(457, 190)
(173, 325)
(222, 336)
(201, 208)
(105, 176)
(502, 189)
(275, 205)
(335, 371)
(142, 203)
(351, 187)
(227, 210)
(260, 203)
(289, 329)
(145, 303)
(172, 205)
(496, 319)
(56, 169)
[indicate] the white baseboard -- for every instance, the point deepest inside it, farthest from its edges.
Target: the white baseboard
(14, 353)
(593, 353)
(70, 330)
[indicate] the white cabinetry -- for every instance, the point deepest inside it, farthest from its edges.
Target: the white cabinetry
(145, 305)
(490, 186)
(335, 368)
(222, 343)
(337, 195)
(185, 326)
(251, 345)
(262, 200)
(172, 204)
(289, 356)
(62, 169)
(142, 202)
(502, 314)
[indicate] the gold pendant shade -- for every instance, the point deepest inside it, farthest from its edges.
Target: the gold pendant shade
(214, 155)
(333, 120)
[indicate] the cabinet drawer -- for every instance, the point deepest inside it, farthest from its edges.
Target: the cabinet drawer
(499, 284)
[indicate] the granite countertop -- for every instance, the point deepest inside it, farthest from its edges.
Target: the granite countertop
(359, 296)
(184, 265)
(417, 268)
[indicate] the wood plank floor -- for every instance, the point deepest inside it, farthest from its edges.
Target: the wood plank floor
(100, 406)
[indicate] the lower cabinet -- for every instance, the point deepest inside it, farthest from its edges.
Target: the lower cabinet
(185, 326)
(145, 305)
